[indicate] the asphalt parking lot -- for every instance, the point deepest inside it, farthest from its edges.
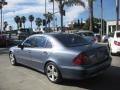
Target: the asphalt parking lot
(24, 78)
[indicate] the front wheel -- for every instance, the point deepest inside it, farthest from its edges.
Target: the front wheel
(52, 72)
(12, 59)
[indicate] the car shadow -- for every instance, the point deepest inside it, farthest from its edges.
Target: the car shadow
(117, 55)
(110, 80)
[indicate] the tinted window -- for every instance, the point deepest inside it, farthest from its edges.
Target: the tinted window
(88, 34)
(40, 41)
(48, 44)
(30, 42)
(71, 40)
(118, 34)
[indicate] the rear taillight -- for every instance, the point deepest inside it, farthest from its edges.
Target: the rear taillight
(117, 43)
(81, 59)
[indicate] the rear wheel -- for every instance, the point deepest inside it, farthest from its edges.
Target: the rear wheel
(12, 59)
(53, 73)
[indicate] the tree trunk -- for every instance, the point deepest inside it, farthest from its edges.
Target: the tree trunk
(90, 3)
(24, 25)
(61, 9)
(117, 14)
(31, 25)
(17, 25)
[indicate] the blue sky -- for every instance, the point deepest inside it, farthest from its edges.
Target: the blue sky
(36, 8)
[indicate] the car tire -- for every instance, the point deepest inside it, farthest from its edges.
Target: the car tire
(12, 59)
(53, 73)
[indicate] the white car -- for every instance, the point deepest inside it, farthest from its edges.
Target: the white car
(114, 42)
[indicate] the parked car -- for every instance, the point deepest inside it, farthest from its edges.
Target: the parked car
(98, 37)
(105, 38)
(61, 55)
(5, 40)
(24, 33)
(114, 42)
(89, 35)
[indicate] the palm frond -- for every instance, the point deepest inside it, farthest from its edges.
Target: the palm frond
(74, 2)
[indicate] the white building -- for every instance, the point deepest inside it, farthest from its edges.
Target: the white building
(111, 26)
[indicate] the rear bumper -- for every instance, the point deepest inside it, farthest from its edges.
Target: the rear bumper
(79, 73)
(116, 49)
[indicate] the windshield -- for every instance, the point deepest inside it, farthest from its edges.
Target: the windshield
(71, 40)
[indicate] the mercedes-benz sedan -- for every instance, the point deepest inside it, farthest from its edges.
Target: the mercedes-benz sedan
(61, 56)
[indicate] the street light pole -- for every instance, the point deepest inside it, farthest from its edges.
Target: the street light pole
(2, 3)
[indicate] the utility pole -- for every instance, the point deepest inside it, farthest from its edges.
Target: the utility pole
(117, 14)
(2, 3)
(101, 1)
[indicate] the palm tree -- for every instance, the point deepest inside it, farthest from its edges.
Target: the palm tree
(62, 3)
(31, 19)
(117, 14)
(17, 20)
(5, 25)
(90, 7)
(49, 17)
(23, 20)
(38, 22)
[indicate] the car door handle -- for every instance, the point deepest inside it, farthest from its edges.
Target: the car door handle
(29, 51)
(45, 52)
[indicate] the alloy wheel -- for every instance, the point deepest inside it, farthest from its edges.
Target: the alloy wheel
(12, 59)
(53, 73)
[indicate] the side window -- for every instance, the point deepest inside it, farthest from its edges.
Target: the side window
(30, 42)
(40, 41)
(48, 44)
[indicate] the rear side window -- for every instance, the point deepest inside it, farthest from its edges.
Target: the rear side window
(118, 34)
(48, 44)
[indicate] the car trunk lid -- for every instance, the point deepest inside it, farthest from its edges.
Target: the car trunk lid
(94, 53)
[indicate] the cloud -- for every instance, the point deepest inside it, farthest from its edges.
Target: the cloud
(73, 13)
(22, 7)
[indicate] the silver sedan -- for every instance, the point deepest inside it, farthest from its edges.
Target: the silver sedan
(61, 56)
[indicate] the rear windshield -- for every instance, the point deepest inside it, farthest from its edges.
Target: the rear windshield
(71, 40)
(118, 34)
(86, 34)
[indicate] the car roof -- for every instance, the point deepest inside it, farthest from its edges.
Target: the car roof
(52, 34)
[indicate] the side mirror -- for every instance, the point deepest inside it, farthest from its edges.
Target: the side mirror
(20, 46)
